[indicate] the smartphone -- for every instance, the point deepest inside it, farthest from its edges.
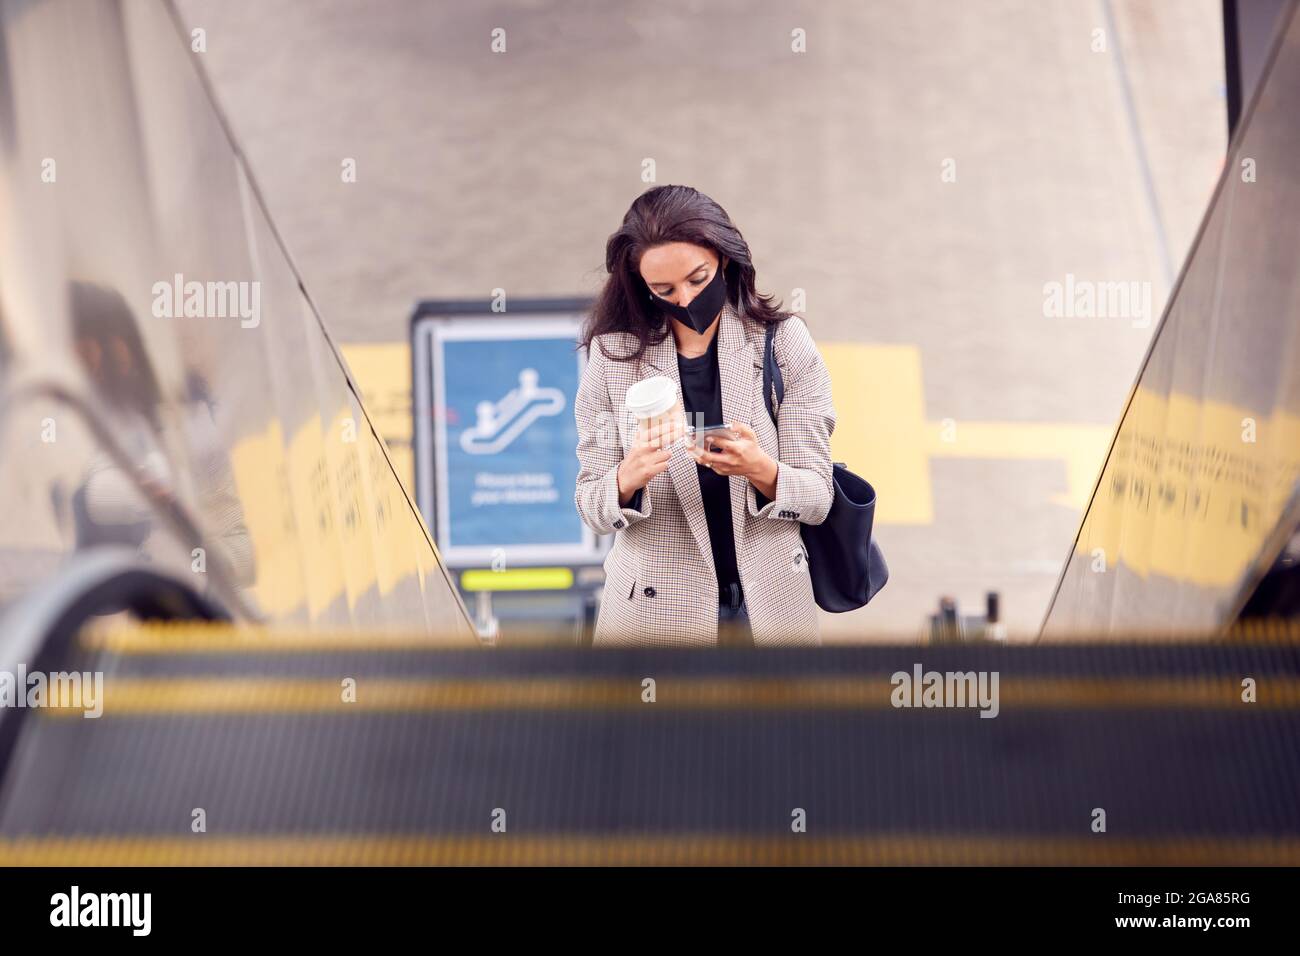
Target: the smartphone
(701, 435)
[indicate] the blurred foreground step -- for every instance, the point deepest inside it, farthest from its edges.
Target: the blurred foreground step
(378, 749)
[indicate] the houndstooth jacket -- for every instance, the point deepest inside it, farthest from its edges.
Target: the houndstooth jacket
(660, 583)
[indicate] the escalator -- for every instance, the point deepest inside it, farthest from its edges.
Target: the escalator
(222, 745)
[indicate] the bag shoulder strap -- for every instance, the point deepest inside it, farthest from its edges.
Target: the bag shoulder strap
(773, 381)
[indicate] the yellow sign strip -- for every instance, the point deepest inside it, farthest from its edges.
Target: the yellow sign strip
(517, 579)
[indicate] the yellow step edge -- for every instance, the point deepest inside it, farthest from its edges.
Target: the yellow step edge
(677, 849)
(123, 696)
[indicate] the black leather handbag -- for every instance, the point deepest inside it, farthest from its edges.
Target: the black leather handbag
(846, 565)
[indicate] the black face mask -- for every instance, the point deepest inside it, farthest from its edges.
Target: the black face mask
(703, 309)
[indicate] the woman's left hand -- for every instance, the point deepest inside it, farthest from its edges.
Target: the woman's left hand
(741, 456)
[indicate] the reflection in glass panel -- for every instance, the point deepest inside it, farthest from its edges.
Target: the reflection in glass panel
(1207, 454)
(165, 385)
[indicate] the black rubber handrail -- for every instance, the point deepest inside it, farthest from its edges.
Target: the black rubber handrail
(37, 632)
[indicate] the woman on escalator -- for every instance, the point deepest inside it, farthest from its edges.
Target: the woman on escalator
(707, 546)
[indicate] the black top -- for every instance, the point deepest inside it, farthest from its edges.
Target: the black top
(702, 397)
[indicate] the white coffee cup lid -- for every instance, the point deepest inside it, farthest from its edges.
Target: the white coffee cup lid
(651, 397)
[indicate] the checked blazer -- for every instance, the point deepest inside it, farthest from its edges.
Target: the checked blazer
(661, 588)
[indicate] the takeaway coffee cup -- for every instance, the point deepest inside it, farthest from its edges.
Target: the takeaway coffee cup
(657, 407)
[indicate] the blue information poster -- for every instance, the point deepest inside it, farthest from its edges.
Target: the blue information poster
(500, 466)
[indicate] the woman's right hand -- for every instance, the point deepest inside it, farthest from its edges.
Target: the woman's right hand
(647, 458)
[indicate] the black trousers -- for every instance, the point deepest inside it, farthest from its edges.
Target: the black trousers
(733, 618)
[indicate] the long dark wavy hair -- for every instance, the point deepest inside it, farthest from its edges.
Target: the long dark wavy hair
(661, 215)
(125, 375)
